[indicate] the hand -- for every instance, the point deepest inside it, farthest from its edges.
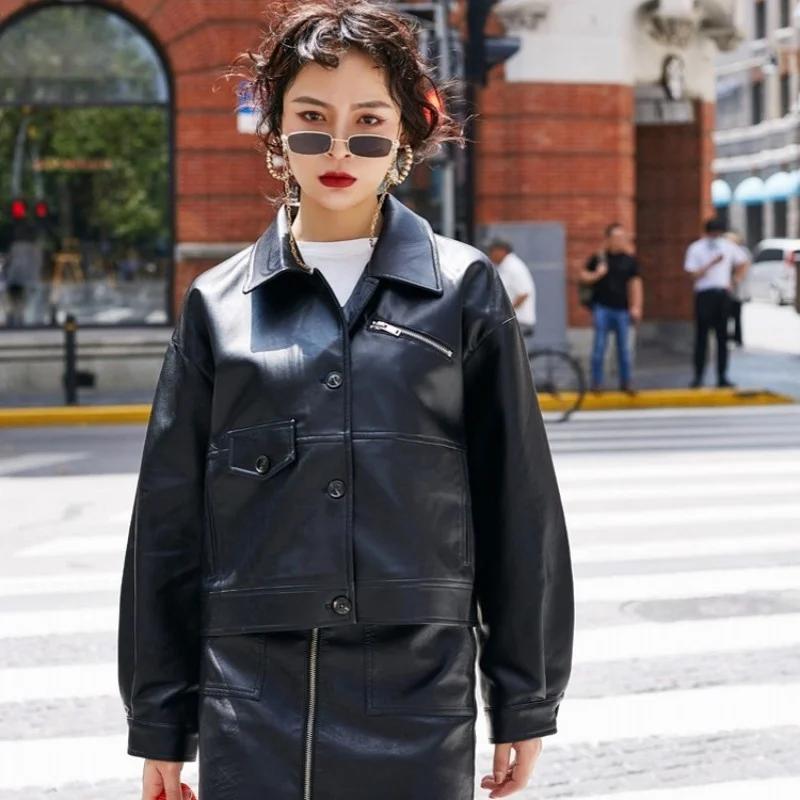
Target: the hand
(715, 261)
(601, 271)
(509, 778)
(162, 779)
(636, 315)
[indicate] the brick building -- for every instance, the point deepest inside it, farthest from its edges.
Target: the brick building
(579, 128)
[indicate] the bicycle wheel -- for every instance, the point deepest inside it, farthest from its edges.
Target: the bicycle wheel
(559, 382)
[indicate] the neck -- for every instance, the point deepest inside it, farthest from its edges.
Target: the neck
(314, 223)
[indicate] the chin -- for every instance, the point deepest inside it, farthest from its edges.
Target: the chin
(339, 199)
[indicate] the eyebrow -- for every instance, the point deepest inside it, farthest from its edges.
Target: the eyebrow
(312, 101)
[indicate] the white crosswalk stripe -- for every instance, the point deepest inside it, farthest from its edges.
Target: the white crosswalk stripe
(685, 533)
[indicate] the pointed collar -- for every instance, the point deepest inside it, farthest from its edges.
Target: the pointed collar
(405, 252)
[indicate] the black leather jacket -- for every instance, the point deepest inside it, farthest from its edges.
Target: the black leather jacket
(309, 466)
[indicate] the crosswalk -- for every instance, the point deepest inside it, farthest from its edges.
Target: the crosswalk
(685, 532)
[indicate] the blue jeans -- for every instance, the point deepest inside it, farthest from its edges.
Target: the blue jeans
(606, 320)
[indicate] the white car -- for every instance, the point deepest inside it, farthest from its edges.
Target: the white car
(773, 273)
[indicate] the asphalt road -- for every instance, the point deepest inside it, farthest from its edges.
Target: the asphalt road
(686, 542)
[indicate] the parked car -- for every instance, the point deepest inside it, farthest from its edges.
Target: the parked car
(773, 274)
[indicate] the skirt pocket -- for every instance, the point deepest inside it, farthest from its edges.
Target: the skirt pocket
(233, 666)
(426, 670)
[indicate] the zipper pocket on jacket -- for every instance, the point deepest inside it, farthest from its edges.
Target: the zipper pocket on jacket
(313, 655)
(390, 329)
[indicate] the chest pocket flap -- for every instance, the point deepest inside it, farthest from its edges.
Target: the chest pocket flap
(263, 450)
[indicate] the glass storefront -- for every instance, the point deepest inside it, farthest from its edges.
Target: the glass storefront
(85, 172)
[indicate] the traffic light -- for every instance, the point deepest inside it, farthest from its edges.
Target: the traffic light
(19, 210)
(485, 52)
(42, 210)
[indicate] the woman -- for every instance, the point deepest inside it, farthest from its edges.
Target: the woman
(346, 494)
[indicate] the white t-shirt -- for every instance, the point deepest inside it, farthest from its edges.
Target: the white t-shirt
(707, 249)
(518, 280)
(342, 263)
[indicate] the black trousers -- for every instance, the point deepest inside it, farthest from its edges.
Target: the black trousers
(711, 311)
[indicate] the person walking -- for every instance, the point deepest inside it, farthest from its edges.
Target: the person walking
(346, 500)
(518, 281)
(714, 263)
(739, 293)
(617, 301)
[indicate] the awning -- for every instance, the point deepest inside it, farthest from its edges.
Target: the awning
(721, 193)
(750, 192)
(781, 186)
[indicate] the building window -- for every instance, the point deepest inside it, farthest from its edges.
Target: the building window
(757, 101)
(85, 171)
(786, 13)
(780, 210)
(761, 20)
(786, 94)
(755, 224)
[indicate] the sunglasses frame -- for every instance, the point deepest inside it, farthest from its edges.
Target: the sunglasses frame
(333, 139)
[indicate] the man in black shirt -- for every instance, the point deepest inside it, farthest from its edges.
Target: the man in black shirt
(617, 296)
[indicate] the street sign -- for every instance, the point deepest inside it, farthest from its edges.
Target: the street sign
(246, 112)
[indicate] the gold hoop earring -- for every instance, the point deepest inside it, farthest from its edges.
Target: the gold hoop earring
(398, 175)
(284, 176)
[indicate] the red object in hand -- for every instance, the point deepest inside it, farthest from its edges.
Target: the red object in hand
(186, 793)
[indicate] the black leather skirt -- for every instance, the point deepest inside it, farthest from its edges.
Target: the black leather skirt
(363, 712)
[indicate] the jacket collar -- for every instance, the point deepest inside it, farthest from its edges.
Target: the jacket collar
(406, 251)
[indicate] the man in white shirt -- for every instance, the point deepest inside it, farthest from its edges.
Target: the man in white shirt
(518, 281)
(714, 263)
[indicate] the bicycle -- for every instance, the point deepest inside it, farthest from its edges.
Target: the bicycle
(559, 381)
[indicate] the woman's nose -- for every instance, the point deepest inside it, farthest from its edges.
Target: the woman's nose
(339, 149)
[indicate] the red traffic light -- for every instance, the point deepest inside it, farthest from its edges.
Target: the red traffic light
(19, 210)
(42, 210)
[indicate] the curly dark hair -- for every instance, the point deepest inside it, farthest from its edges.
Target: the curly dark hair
(321, 32)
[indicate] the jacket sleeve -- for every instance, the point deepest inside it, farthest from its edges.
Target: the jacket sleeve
(159, 642)
(523, 571)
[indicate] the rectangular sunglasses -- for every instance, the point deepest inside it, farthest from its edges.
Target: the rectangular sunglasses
(317, 143)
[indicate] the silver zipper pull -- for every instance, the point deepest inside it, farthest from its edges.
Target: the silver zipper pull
(380, 325)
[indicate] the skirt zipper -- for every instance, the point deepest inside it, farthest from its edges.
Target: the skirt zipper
(312, 713)
(397, 330)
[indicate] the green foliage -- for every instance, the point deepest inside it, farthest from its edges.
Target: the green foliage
(129, 201)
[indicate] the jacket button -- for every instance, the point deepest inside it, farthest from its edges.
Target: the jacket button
(336, 489)
(262, 465)
(334, 380)
(342, 606)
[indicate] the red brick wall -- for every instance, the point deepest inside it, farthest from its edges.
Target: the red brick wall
(673, 189)
(558, 152)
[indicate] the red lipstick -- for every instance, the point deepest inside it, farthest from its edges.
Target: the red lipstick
(337, 180)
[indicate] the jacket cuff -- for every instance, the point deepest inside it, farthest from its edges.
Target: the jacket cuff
(161, 742)
(524, 721)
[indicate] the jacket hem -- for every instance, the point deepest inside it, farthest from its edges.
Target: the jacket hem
(379, 601)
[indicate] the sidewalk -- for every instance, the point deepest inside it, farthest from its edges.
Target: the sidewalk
(661, 378)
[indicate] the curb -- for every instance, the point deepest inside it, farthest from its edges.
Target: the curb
(74, 415)
(607, 401)
(669, 398)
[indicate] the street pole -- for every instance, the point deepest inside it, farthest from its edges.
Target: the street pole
(442, 25)
(475, 69)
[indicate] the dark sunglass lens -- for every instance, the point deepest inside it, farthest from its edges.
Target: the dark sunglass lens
(309, 144)
(370, 146)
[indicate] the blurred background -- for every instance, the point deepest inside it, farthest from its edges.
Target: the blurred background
(128, 166)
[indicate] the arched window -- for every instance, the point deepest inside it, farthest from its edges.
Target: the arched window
(85, 170)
